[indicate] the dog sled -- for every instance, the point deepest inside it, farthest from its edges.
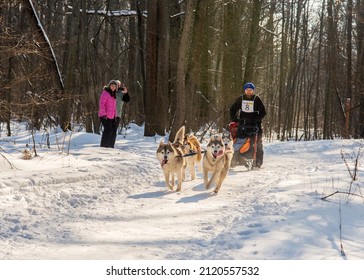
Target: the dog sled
(245, 138)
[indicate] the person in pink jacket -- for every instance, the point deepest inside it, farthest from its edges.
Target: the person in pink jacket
(108, 114)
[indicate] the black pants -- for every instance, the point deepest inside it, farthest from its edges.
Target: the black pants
(260, 152)
(107, 138)
(115, 130)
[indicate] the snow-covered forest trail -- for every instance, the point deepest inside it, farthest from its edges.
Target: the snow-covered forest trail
(98, 203)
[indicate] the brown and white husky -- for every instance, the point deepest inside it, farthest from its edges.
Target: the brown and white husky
(217, 161)
(191, 149)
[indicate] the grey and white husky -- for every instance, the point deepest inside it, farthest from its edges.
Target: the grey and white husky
(172, 162)
(217, 160)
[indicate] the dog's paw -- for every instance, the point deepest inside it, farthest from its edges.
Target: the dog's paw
(216, 190)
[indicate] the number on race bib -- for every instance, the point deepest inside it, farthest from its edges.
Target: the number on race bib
(247, 106)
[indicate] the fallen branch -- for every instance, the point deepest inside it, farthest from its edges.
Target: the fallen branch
(11, 165)
(338, 192)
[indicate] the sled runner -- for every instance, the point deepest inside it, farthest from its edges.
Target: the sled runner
(245, 137)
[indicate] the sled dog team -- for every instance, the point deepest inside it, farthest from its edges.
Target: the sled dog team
(185, 153)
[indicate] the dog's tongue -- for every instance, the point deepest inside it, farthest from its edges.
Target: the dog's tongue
(218, 154)
(164, 162)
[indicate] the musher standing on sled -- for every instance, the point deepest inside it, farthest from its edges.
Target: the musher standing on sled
(252, 111)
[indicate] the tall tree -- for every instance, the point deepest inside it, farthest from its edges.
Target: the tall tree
(360, 71)
(252, 41)
(182, 64)
(333, 115)
(193, 75)
(6, 67)
(349, 68)
(318, 89)
(293, 69)
(282, 71)
(136, 62)
(270, 73)
(232, 81)
(70, 64)
(157, 53)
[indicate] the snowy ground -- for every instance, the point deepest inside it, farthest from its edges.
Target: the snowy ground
(79, 201)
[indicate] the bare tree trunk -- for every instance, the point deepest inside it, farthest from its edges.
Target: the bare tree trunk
(334, 116)
(142, 57)
(6, 68)
(181, 110)
(151, 69)
(349, 48)
(163, 67)
(70, 64)
(292, 71)
(157, 54)
(195, 65)
(253, 41)
(89, 104)
(306, 75)
(328, 130)
(360, 71)
(349, 67)
(282, 78)
(136, 73)
(318, 89)
(231, 81)
(270, 74)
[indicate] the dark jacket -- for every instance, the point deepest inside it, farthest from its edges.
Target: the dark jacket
(252, 113)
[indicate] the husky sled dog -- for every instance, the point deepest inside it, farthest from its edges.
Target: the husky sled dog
(217, 160)
(191, 149)
(172, 162)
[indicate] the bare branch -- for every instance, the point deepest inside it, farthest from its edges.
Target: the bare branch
(11, 165)
(339, 192)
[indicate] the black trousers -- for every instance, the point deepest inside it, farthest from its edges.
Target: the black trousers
(108, 138)
(260, 152)
(115, 130)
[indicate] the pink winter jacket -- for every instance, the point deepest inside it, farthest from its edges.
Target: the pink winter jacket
(107, 105)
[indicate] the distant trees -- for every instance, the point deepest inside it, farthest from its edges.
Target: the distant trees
(186, 62)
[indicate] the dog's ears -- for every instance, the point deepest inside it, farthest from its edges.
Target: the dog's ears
(216, 137)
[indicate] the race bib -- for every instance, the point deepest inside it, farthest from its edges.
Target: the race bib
(247, 106)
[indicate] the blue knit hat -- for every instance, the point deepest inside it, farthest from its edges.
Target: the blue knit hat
(249, 85)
